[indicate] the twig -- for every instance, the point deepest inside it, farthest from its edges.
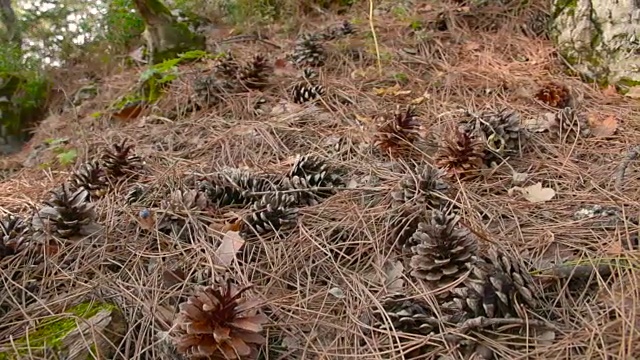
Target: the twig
(571, 271)
(375, 37)
(242, 38)
(622, 168)
(483, 322)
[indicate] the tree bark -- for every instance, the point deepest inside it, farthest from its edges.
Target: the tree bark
(166, 38)
(8, 17)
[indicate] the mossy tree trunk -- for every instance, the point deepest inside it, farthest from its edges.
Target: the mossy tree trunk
(8, 16)
(166, 37)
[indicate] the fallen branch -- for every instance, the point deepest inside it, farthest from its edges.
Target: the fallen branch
(622, 168)
(575, 271)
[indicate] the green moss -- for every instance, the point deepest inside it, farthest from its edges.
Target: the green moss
(50, 333)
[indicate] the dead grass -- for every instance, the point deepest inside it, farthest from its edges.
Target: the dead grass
(295, 272)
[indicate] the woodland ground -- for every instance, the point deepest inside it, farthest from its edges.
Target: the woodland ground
(443, 72)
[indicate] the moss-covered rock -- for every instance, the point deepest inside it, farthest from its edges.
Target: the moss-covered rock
(85, 331)
(23, 97)
(600, 38)
(166, 37)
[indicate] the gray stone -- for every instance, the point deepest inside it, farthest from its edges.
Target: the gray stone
(600, 38)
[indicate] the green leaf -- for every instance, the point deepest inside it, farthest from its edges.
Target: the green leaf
(68, 157)
(96, 114)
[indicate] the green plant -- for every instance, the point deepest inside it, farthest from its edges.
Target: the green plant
(123, 23)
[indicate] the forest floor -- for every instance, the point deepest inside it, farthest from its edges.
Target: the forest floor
(451, 61)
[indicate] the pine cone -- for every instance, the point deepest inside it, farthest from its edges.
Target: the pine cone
(222, 194)
(412, 316)
(271, 214)
(444, 249)
(67, 214)
(337, 32)
(424, 187)
(308, 52)
(568, 125)
(462, 155)
(210, 90)
(91, 176)
(219, 324)
(189, 199)
(120, 162)
(500, 130)
(255, 74)
(554, 94)
(14, 234)
(397, 135)
(227, 67)
(303, 92)
(309, 172)
(497, 286)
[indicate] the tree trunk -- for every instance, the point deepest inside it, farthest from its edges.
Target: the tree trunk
(166, 38)
(8, 17)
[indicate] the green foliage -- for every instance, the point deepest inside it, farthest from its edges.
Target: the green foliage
(266, 11)
(123, 23)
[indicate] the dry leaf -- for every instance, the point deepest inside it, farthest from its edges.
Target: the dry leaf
(633, 93)
(610, 91)
(534, 193)
(614, 248)
(419, 100)
(285, 107)
(282, 67)
(229, 247)
(363, 119)
(337, 293)
(471, 46)
(393, 276)
(603, 128)
(540, 123)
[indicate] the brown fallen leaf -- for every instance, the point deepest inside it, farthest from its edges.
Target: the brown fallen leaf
(130, 110)
(535, 193)
(394, 90)
(610, 91)
(603, 127)
(633, 93)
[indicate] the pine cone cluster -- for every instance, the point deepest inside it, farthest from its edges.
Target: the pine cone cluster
(219, 323)
(337, 32)
(66, 214)
(555, 95)
(274, 212)
(444, 249)
(397, 135)
(568, 125)
(423, 187)
(15, 233)
(461, 156)
(307, 174)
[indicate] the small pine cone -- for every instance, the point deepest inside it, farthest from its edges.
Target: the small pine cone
(444, 249)
(227, 67)
(272, 213)
(398, 135)
(337, 32)
(189, 199)
(497, 286)
(309, 74)
(500, 130)
(222, 194)
(14, 235)
(255, 75)
(311, 172)
(135, 194)
(219, 323)
(412, 316)
(120, 162)
(424, 187)
(462, 156)
(308, 52)
(67, 214)
(555, 95)
(210, 90)
(303, 92)
(568, 125)
(91, 176)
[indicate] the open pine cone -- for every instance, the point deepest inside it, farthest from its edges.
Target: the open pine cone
(255, 74)
(424, 187)
(568, 125)
(272, 213)
(14, 232)
(444, 250)
(91, 176)
(219, 323)
(397, 135)
(497, 287)
(309, 173)
(461, 156)
(554, 94)
(67, 214)
(120, 162)
(308, 52)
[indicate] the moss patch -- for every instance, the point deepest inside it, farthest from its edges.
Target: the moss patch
(50, 333)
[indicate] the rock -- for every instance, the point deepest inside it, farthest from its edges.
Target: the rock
(600, 38)
(86, 331)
